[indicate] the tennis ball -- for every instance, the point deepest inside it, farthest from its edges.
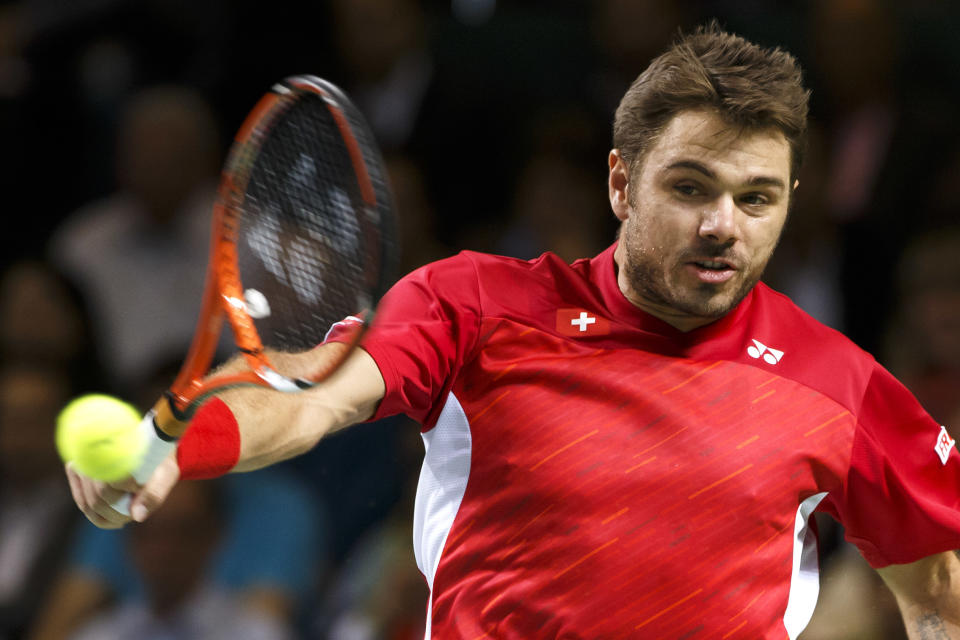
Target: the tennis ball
(101, 436)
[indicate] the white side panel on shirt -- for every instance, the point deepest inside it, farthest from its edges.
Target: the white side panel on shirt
(805, 577)
(443, 481)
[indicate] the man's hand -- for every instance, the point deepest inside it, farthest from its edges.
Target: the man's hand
(95, 498)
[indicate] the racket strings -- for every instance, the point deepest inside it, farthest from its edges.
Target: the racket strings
(305, 243)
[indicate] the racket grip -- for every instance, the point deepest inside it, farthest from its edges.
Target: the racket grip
(157, 450)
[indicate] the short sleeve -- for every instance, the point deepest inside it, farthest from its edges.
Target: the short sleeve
(901, 497)
(424, 330)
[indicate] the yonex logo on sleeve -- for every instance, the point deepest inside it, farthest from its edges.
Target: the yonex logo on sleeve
(769, 354)
(944, 444)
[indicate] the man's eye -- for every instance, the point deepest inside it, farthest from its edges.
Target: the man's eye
(687, 189)
(755, 199)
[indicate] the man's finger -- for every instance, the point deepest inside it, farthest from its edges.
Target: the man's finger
(127, 485)
(101, 522)
(94, 500)
(100, 502)
(149, 498)
(75, 489)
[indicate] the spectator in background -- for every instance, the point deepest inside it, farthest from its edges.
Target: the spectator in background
(806, 265)
(923, 344)
(387, 66)
(417, 216)
(44, 360)
(874, 136)
(557, 201)
(268, 572)
(138, 256)
(43, 318)
(378, 593)
(859, 80)
(381, 594)
(15, 77)
(390, 65)
(35, 515)
(172, 554)
(627, 35)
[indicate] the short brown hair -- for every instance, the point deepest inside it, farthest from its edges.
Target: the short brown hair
(748, 85)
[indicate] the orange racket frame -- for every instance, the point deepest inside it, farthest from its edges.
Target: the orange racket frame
(223, 292)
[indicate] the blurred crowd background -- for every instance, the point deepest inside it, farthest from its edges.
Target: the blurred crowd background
(494, 118)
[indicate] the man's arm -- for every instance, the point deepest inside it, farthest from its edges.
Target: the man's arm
(928, 594)
(275, 426)
(272, 426)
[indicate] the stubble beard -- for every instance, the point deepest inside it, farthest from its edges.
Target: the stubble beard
(648, 276)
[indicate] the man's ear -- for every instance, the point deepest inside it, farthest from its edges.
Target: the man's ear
(618, 184)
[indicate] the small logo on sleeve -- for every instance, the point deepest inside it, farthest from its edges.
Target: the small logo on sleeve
(944, 444)
(769, 354)
(579, 322)
(343, 328)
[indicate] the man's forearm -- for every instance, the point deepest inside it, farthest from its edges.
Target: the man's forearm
(275, 426)
(930, 624)
(928, 594)
(252, 428)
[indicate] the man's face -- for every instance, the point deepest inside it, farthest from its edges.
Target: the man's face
(701, 216)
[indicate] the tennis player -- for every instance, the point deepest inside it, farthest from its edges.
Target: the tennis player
(632, 445)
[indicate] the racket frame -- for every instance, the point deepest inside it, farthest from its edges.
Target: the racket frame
(223, 290)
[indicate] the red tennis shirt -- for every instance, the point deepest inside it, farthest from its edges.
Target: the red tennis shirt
(591, 472)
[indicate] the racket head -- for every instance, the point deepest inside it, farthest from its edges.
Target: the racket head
(303, 236)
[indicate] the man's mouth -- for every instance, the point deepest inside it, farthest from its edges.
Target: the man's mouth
(713, 265)
(712, 271)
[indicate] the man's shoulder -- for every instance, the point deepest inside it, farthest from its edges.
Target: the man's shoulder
(545, 263)
(805, 349)
(92, 231)
(779, 311)
(498, 275)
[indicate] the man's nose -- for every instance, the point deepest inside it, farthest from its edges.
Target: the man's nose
(719, 222)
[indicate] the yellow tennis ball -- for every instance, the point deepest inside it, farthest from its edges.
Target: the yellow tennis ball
(101, 436)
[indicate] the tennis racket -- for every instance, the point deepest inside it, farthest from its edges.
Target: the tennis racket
(303, 237)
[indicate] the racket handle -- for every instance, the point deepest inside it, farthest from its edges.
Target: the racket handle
(157, 450)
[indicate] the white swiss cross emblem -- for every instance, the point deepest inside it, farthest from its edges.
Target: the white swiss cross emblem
(583, 321)
(944, 444)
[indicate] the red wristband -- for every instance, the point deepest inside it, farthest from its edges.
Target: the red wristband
(211, 445)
